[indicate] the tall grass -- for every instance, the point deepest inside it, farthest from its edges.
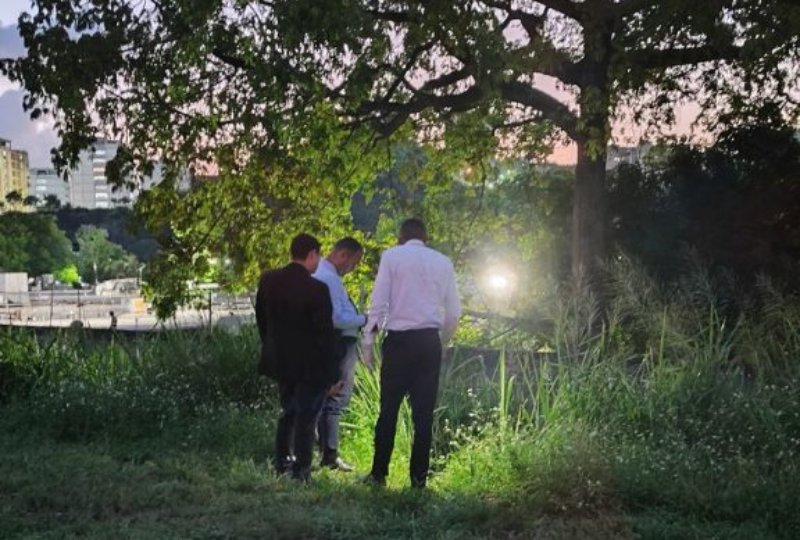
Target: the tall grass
(679, 406)
(672, 411)
(76, 389)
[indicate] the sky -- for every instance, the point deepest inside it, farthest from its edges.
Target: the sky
(35, 137)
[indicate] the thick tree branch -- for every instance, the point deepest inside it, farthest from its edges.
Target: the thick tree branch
(400, 75)
(565, 7)
(531, 22)
(549, 107)
(399, 17)
(667, 58)
(389, 116)
(446, 80)
(627, 8)
(457, 102)
(562, 69)
(231, 60)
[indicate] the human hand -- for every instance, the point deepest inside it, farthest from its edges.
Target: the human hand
(367, 355)
(335, 389)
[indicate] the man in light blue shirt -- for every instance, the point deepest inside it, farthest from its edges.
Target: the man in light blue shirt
(344, 257)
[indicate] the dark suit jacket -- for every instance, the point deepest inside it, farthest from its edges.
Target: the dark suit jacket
(295, 321)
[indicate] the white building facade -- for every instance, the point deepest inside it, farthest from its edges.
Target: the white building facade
(46, 182)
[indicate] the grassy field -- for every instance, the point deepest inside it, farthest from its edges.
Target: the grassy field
(674, 420)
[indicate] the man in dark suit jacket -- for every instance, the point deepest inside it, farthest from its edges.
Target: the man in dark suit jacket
(294, 316)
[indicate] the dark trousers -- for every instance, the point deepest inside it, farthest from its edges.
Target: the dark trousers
(410, 366)
(294, 439)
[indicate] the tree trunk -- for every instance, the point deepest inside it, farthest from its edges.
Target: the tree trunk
(589, 194)
(589, 214)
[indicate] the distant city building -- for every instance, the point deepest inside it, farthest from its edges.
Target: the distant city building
(46, 182)
(13, 170)
(630, 155)
(88, 182)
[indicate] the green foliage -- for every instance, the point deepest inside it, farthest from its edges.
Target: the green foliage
(130, 390)
(69, 275)
(735, 206)
(51, 203)
(121, 223)
(492, 213)
(282, 102)
(673, 422)
(14, 198)
(247, 215)
(100, 259)
(32, 243)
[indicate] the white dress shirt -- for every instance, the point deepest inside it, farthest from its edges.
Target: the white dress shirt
(345, 316)
(415, 289)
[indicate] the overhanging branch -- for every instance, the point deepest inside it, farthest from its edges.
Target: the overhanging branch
(400, 17)
(550, 108)
(631, 7)
(531, 22)
(667, 58)
(389, 116)
(446, 80)
(558, 65)
(231, 60)
(400, 75)
(565, 7)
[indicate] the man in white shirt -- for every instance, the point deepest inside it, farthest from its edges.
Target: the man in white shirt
(344, 257)
(415, 301)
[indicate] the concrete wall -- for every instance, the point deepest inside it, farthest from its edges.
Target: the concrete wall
(14, 288)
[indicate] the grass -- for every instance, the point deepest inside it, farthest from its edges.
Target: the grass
(678, 418)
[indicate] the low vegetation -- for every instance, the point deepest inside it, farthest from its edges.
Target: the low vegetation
(675, 415)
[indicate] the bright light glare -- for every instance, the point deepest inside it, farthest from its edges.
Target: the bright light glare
(499, 282)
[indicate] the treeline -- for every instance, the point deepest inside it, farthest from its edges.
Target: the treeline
(118, 222)
(733, 209)
(78, 251)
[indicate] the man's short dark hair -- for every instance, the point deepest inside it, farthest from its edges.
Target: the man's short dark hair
(348, 243)
(413, 229)
(302, 245)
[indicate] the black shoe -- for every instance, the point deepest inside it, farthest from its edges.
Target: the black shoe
(337, 464)
(284, 466)
(374, 481)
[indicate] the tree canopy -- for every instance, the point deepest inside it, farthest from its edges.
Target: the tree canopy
(32, 243)
(287, 102)
(735, 206)
(99, 259)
